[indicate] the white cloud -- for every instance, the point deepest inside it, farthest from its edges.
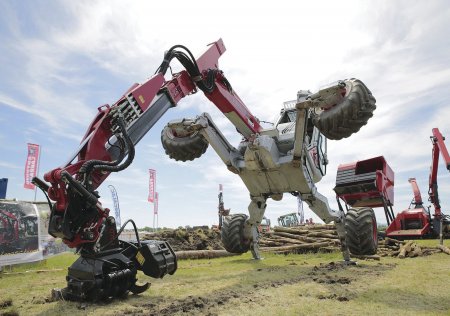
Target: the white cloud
(66, 67)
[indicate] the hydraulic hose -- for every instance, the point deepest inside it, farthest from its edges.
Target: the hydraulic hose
(130, 148)
(188, 61)
(90, 197)
(89, 166)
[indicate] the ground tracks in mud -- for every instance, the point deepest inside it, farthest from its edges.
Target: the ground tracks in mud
(337, 278)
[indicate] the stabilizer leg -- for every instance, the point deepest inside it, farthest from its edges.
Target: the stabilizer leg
(256, 210)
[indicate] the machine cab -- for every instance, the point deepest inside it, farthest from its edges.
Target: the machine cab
(316, 142)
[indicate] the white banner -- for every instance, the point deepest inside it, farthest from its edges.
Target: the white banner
(301, 212)
(155, 210)
(115, 198)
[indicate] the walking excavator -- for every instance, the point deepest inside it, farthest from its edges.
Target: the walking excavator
(287, 158)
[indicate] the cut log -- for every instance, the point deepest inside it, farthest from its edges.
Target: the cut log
(393, 241)
(416, 251)
(269, 243)
(444, 249)
(296, 247)
(293, 236)
(320, 227)
(322, 234)
(290, 230)
(285, 240)
(203, 254)
(405, 249)
(373, 257)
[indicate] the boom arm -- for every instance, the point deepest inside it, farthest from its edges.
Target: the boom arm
(438, 147)
(417, 196)
(77, 215)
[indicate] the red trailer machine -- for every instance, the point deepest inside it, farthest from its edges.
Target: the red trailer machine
(369, 183)
(417, 221)
(363, 185)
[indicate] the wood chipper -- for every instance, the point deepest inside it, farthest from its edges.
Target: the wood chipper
(363, 185)
(417, 221)
(370, 183)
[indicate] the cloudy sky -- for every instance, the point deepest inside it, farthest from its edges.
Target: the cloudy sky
(60, 60)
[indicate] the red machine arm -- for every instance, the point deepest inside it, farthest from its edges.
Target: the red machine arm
(438, 147)
(417, 196)
(108, 145)
(108, 266)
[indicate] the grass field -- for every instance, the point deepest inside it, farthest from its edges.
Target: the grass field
(306, 284)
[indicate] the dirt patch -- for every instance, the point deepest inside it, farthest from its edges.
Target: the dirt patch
(5, 303)
(11, 313)
(340, 298)
(331, 275)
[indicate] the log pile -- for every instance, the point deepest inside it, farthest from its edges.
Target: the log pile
(300, 239)
(406, 249)
(313, 238)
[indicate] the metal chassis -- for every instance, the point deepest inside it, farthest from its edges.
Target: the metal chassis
(299, 162)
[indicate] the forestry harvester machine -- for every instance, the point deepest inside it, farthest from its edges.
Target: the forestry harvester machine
(18, 232)
(9, 231)
(288, 158)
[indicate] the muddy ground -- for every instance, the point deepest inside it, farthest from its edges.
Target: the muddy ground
(305, 284)
(328, 275)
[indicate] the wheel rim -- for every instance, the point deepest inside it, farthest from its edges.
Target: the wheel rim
(174, 133)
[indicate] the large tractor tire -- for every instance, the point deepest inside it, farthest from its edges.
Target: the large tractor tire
(361, 229)
(232, 234)
(183, 146)
(348, 116)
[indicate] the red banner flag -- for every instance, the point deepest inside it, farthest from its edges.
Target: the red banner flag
(152, 185)
(155, 209)
(31, 165)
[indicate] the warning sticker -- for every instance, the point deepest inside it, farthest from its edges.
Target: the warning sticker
(140, 258)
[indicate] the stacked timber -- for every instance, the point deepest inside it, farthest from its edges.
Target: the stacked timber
(407, 249)
(313, 238)
(300, 239)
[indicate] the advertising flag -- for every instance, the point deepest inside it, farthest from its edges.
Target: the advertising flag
(220, 188)
(31, 165)
(301, 212)
(152, 185)
(3, 187)
(155, 210)
(115, 198)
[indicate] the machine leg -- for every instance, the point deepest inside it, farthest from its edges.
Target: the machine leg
(254, 247)
(342, 234)
(256, 210)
